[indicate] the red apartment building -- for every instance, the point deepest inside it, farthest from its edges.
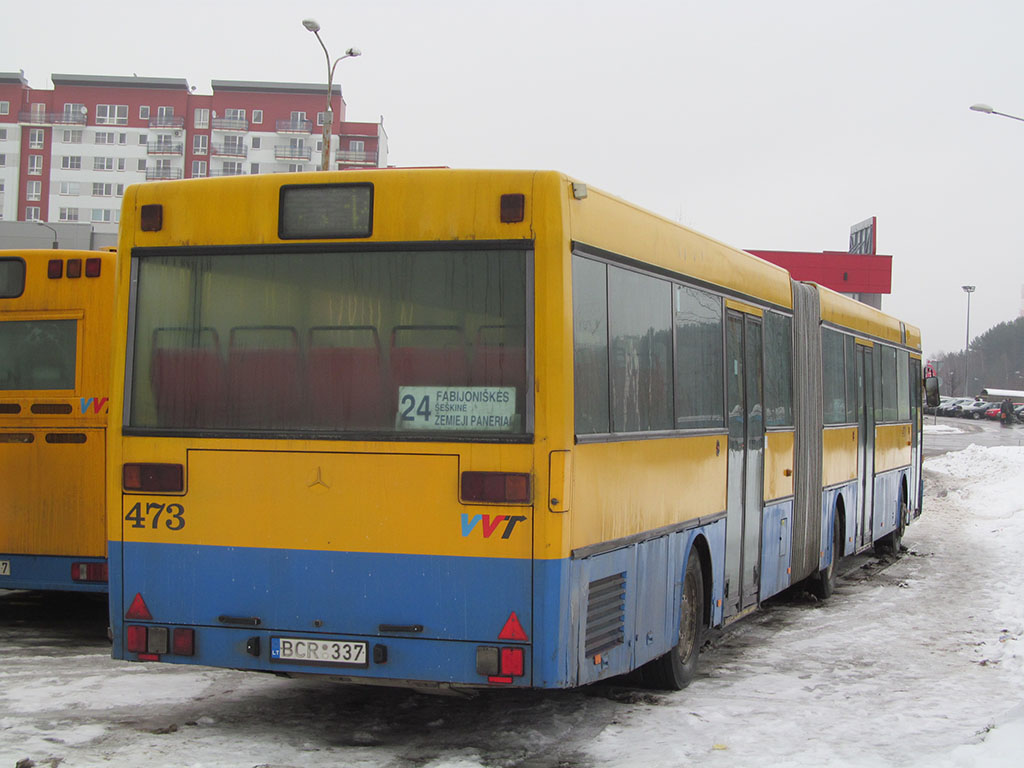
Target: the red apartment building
(67, 154)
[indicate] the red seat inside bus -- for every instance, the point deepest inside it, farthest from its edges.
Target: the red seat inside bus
(187, 376)
(428, 355)
(346, 377)
(264, 376)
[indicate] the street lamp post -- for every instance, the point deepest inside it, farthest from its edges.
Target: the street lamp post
(986, 109)
(968, 289)
(44, 224)
(314, 27)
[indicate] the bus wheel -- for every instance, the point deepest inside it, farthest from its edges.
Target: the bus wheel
(677, 668)
(823, 584)
(891, 542)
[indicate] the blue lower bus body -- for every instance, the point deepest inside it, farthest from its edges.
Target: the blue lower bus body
(48, 572)
(425, 619)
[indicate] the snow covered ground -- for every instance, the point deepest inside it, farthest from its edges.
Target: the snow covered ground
(917, 662)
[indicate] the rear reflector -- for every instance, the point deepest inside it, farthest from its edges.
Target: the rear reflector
(135, 639)
(74, 267)
(513, 630)
(496, 487)
(89, 572)
(92, 267)
(138, 609)
(165, 478)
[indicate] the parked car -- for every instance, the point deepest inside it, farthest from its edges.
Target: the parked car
(975, 410)
(952, 408)
(932, 410)
(994, 412)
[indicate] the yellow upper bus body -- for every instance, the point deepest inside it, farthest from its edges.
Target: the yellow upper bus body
(56, 308)
(404, 496)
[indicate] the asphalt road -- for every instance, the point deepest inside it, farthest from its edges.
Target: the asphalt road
(979, 432)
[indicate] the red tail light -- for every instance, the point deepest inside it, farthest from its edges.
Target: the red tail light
(135, 639)
(54, 269)
(88, 571)
(163, 478)
(512, 662)
(74, 267)
(151, 218)
(496, 487)
(92, 267)
(183, 641)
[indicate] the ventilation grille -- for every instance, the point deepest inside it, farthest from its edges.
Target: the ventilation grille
(606, 610)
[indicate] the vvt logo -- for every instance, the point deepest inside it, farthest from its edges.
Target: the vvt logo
(488, 524)
(97, 404)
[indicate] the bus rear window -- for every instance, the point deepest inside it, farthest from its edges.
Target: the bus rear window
(38, 354)
(410, 342)
(12, 278)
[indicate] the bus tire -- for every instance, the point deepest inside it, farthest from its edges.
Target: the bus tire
(823, 584)
(677, 668)
(891, 542)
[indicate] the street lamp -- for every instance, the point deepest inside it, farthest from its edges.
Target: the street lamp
(989, 111)
(44, 224)
(968, 289)
(314, 27)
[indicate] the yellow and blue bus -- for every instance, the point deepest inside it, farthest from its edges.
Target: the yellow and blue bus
(56, 313)
(452, 428)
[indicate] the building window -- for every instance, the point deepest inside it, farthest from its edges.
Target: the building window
(74, 112)
(143, 113)
(232, 168)
(121, 163)
(73, 136)
(35, 164)
(100, 189)
(5, 107)
(296, 168)
(356, 146)
(202, 118)
(32, 213)
(198, 169)
(34, 190)
(122, 138)
(200, 144)
(104, 137)
(36, 138)
(105, 215)
(3, 134)
(69, 187)
(143, 139)
(3, 160)
(142, 164)
(257, 116)
(255, 142)
(71, 163)
(69, 214)
(234, 114)
(103, 163)
(111, 114)
(254, 168)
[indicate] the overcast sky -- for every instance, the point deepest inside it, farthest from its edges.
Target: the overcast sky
(769, 125)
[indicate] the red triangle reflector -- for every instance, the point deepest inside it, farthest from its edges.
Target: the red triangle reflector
(512, 630)
(138, 609)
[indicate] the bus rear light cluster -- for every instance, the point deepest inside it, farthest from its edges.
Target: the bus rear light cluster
(159, 478)
(496, 487)
(153, 642)
(89, 572)
(500, 665)
(55, 268)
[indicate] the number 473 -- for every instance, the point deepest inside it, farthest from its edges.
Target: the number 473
(173, 515)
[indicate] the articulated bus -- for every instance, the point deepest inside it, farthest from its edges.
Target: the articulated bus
(56, 313)
(447, 428)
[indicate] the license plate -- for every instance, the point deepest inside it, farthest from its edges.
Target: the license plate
(342, 653)
(5, 567)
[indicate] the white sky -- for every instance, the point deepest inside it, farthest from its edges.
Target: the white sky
(771, 125)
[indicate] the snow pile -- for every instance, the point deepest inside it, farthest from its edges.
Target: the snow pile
(941, 429)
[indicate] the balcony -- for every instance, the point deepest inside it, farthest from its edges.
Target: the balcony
(287, 152)
(52, 118)
(163, 148)
(230, 124)
(294, 126)
(229, 150)
(167, 121)
(227, 172)
(153, 174)
(348, 157)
